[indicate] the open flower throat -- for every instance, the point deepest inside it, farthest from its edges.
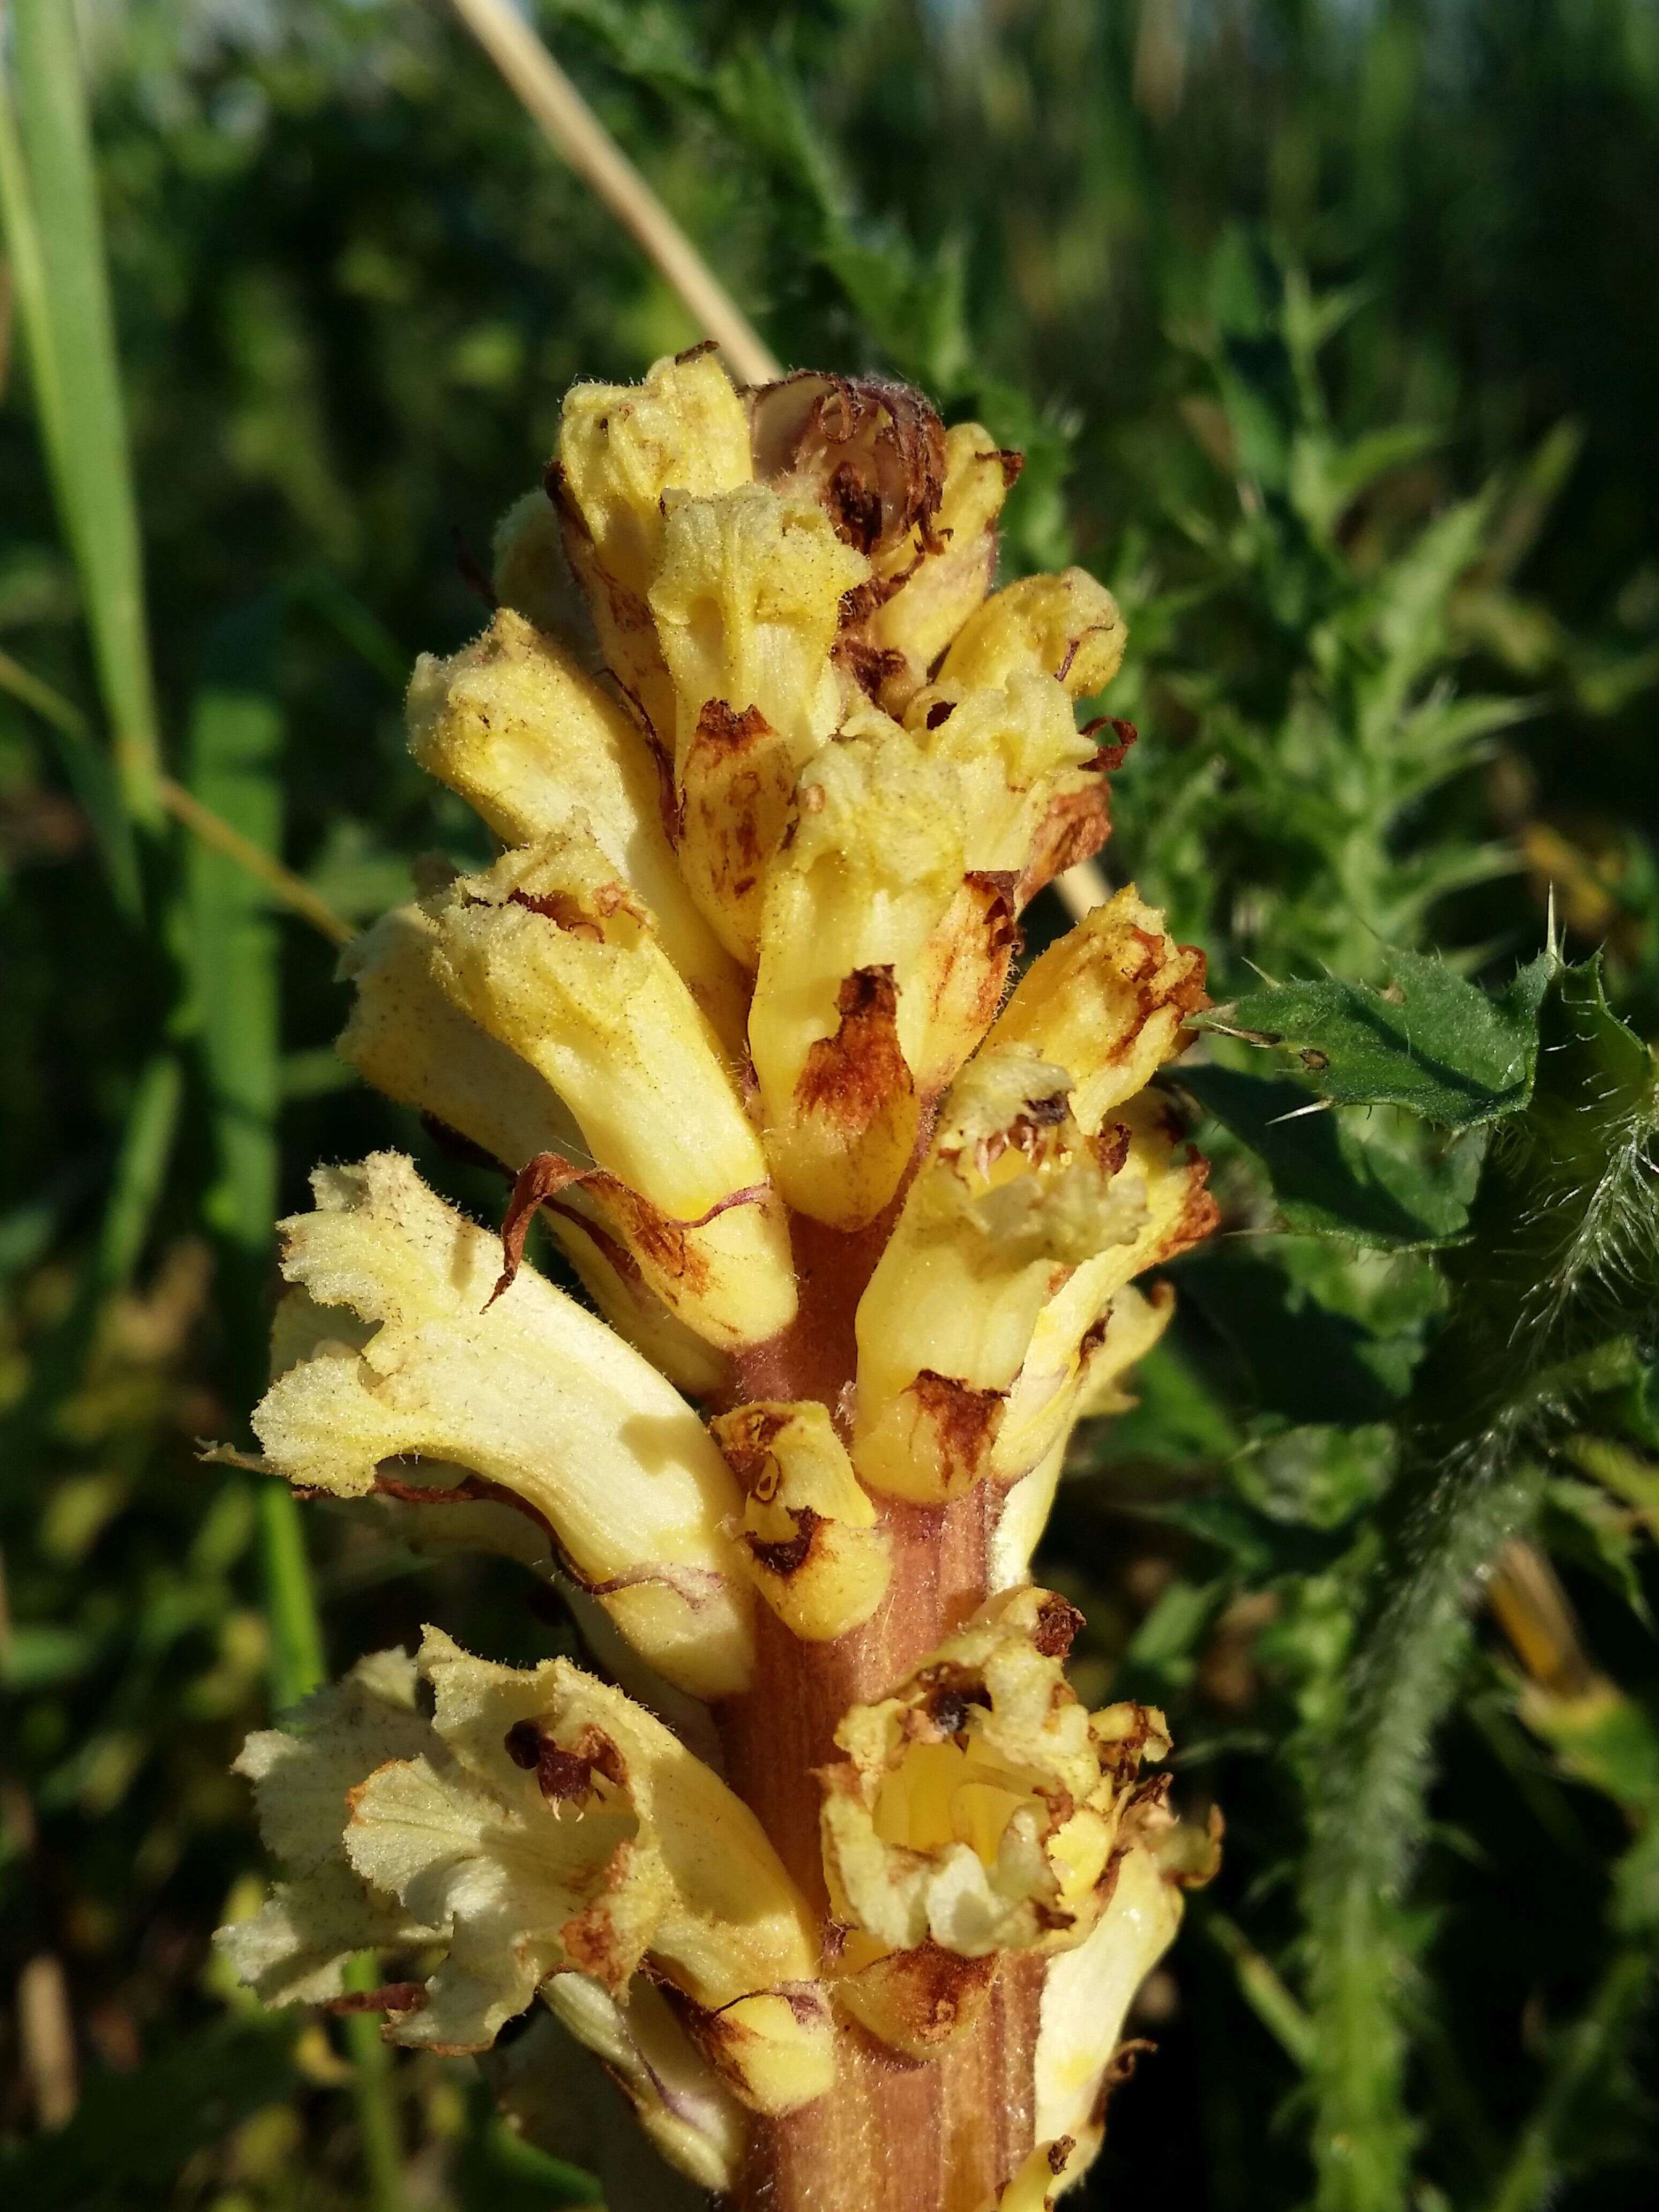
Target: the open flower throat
(836, 1888)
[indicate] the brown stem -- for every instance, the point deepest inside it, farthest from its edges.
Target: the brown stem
(893, 2135)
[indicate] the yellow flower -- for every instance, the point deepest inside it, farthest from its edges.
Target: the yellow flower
(555, 958)
(725, 1011)
(1018, 1231)
(977, 1806)
(622, 448)
(532, 1397)
(539, 1825)
(516, 727)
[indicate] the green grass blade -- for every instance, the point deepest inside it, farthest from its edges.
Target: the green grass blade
(379, 2137)
(236, 742)
(146, 1150)
(66, 303)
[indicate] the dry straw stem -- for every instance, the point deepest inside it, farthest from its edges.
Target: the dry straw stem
(576, 134)
(46, 2034)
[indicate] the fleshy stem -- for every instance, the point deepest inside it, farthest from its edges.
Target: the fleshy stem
(891, 2136)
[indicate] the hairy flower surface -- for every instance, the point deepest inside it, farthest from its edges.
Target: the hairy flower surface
(978, 1810)
(539, 1824)
(526, 1392)
(775, 770)
(515, 725)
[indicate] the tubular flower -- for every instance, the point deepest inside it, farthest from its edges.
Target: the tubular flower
(541, 1823)
(862, 1233)
(978, 1810)
(1018, 1231)
(537, 1401)
(620, 451)
(515, 725)
(409, 1038)
(553, 957)
(843, 1002)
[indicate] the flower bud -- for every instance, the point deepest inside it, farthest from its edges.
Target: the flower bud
(554, 957)
(622, 448)
(1013, 1201)
(1107, 1001)
(1067, 626)
(748, 603)
(978, 1810)
(842, 1010)
(538, 1401)
(808, 1536)
(1070, 1380)
(530, 574)
(517, 728)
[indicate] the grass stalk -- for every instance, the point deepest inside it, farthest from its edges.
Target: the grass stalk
(236, 741)
(374, 2088)
(1587, 2049)
(87, 772)
(49, 184)
(141, 1161)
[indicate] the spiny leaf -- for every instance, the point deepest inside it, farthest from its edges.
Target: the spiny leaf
(1557, 1274)
(1432, 1041)
(1327, 1179)
(1303, 1360)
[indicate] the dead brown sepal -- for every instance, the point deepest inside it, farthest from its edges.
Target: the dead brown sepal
(657, 1236)
(919, 2003)
(872, 450)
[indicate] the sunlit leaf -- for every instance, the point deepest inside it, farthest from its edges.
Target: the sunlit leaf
(1431, 1041)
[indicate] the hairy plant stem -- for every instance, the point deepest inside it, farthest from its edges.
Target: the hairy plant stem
(894, 2135)
(1369, 1816)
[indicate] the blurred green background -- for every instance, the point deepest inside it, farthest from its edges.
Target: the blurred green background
(1329, 329)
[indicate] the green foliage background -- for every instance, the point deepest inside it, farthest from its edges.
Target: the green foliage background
(1329, 328)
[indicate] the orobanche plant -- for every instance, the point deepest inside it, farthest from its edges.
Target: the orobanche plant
(830, 1873)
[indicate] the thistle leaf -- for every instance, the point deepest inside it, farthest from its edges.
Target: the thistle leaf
(1432, 1041)
(1328, 1180)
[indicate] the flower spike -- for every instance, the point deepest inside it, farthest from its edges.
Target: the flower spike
(834, 1896)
